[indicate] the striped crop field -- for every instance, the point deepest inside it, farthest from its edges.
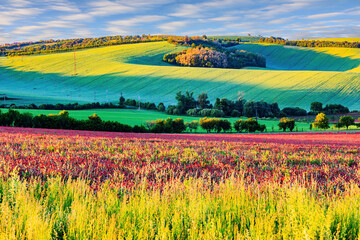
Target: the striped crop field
(294, 77)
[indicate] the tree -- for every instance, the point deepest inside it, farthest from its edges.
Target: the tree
(207, 124)
(121, 101)
(321, 121)
(193, 125)
(346, 121)
(185, 101)
(316, 107)
(286, 123)
(249, 109)
(178, 125)
(186, 39)
(161, 107)
(203, 101)
(239, 125)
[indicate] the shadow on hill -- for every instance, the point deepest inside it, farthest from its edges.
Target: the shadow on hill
(35, 87)
(280, 57)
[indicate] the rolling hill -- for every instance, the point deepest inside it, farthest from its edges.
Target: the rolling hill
(294, 77)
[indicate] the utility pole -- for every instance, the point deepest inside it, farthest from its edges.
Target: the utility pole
(256, 111)
(74, 61)
(94, 96)
(107, 99)
(139, 103)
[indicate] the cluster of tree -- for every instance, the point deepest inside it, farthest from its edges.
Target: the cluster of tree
(249, 125)
(309, 43)
(286, 123)
(13, 118)
(68, 106)
(186, 104)
(209, 57)
(168, 126)
(52, 46)
(317, 107)
(322, 122)
(143, 105)
(123, 103)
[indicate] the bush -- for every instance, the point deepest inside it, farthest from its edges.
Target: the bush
(193, 125)
(217, 113)
(205, 112)
(169, 126)
(222, 125)
(249, 125)
(193, 112)
(286, 123)
(207, 124)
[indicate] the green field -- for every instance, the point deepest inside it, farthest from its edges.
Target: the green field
(295, 77)
(134, 117)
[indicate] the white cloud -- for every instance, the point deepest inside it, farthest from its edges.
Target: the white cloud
(324, 15)
(174, 26)
(138, 20)
(105, 8)
(77, 17)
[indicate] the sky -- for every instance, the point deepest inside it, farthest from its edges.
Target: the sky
(32, 20)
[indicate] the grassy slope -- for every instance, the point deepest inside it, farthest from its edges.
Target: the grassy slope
(331, 76)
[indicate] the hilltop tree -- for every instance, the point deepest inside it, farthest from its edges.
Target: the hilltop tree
(161, 107)
(316, 107)
(321, 121)
(121, 101)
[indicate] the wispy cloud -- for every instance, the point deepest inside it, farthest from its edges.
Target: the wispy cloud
(325, 15)
(171, 27)
(31, 19)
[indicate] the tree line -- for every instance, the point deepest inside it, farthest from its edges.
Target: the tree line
(309, 43)
(200, 106)
(53, 46)
(13, 118)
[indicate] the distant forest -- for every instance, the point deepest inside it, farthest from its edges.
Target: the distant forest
(309, 43)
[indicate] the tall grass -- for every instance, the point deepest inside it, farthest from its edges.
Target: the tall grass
(194, 209)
